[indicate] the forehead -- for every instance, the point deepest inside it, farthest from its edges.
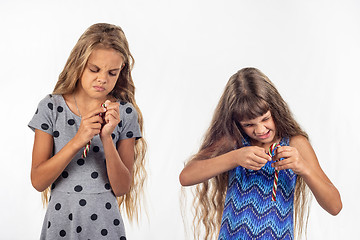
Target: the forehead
(250, 108)
(256, 119)
(106, 57)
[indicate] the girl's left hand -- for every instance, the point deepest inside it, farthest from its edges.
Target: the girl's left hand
(111, 118)
(292, 160)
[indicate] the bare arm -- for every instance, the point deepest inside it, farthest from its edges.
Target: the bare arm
(119, 164)
(301, 158)
(46, 169)
(197, 171)
(120, 159)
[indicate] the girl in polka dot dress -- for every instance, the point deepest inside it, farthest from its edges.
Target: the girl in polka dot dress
(92, 103)
(236, 175)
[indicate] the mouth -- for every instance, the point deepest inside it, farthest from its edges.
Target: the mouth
(264, 136)
(99, 89)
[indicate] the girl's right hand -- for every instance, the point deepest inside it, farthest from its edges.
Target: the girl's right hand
(252, 157)
(89, 127)
(197, 171)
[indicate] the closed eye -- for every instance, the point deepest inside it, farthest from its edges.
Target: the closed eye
(94, 70)
(113, 73)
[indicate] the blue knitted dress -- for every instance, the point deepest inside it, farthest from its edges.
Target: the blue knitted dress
(249, 212)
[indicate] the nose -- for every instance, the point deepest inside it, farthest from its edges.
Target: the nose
(102, 78)
(260, 129)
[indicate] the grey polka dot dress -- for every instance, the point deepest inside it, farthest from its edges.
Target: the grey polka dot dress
(82, 204)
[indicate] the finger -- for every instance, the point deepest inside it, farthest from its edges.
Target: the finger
(113, 115)
(95, 112)
(288, 165)
(112, 105)
(284, 155)
(256, 166)
(283, 162)
(283, 149)
(94, 119)
(94, 126)
(260, 152)
(259, 160)
(107, 102)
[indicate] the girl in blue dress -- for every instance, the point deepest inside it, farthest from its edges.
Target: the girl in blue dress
(234, 172)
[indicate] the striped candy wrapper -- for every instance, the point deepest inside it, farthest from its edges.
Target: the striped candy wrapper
(272, 149)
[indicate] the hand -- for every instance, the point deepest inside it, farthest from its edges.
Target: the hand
(89, 127)
(292, 160)
(111, 118)
(252, 157)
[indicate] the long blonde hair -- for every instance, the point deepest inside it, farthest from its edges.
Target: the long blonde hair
(103, 35)
(247, 95)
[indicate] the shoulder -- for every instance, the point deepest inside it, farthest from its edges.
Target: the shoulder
(50, 100)
(301, 143)
(127, 108)
(299, 139)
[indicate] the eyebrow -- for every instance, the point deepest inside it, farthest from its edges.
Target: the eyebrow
(245, 122)
(94, 65)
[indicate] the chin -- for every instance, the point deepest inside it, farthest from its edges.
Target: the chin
(267, 140)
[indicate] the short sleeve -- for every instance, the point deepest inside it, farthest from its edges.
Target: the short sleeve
(43, 117)
(129, 126)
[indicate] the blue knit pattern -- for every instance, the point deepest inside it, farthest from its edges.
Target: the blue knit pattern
(249, 212)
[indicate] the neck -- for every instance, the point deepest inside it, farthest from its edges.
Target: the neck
(84, 103)
(265, 146)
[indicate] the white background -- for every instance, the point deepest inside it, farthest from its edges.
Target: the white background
(185, 52)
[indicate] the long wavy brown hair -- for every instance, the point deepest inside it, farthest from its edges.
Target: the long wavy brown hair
(247, 95)
(103, 35)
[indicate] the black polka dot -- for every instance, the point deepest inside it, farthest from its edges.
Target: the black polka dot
(122, 238)
(94, 175)
(104, 232)
(93, 217)
(70, 216)
(56, 134)
(60, 109)
(80, 162)
(65, 174)
(78, 229)
(71, 122)
(62, 233)
(108, 205)
(129, 134)
(128, 110)
(122, 103)
(49, 198)
(96, 149)
(37, 111)
(51, 106)
(53, 186)
(107, 186)
(82, 202)
(116, 222)
(50, 95)
(57, 206)
(49, 224)
(78, 188)
(113, 136)
(120, 124)
(44, 126)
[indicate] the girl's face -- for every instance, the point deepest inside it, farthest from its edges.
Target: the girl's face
(261, 130)
(101, 73)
